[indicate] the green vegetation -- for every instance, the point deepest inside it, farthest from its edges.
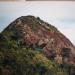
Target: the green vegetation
(46, 25)
(17, 60)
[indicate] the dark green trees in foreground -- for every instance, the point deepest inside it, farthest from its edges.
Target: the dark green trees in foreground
(17, 60)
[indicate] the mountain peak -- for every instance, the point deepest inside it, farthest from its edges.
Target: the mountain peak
(32, 32)
(34, 27)
(32, 22)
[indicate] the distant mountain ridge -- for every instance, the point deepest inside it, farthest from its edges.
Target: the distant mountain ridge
(32, 32)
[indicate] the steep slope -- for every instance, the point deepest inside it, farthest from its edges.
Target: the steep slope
(32, 32)
(38, 33)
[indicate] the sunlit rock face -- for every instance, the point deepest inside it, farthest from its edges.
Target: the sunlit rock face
(32, 32)
(38, 34)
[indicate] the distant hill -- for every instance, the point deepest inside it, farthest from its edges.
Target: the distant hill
(30, 46)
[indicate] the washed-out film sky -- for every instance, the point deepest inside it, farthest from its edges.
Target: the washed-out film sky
(60, 14)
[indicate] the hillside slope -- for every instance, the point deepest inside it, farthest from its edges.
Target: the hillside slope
(41, 43)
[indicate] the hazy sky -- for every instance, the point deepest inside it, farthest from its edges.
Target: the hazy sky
(60, 14)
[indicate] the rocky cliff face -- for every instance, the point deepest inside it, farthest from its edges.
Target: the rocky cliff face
(32, 32)
(38, 34)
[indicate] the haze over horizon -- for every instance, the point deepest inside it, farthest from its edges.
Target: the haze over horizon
(60, 14)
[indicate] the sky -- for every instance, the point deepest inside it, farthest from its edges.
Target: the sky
(61, 14)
